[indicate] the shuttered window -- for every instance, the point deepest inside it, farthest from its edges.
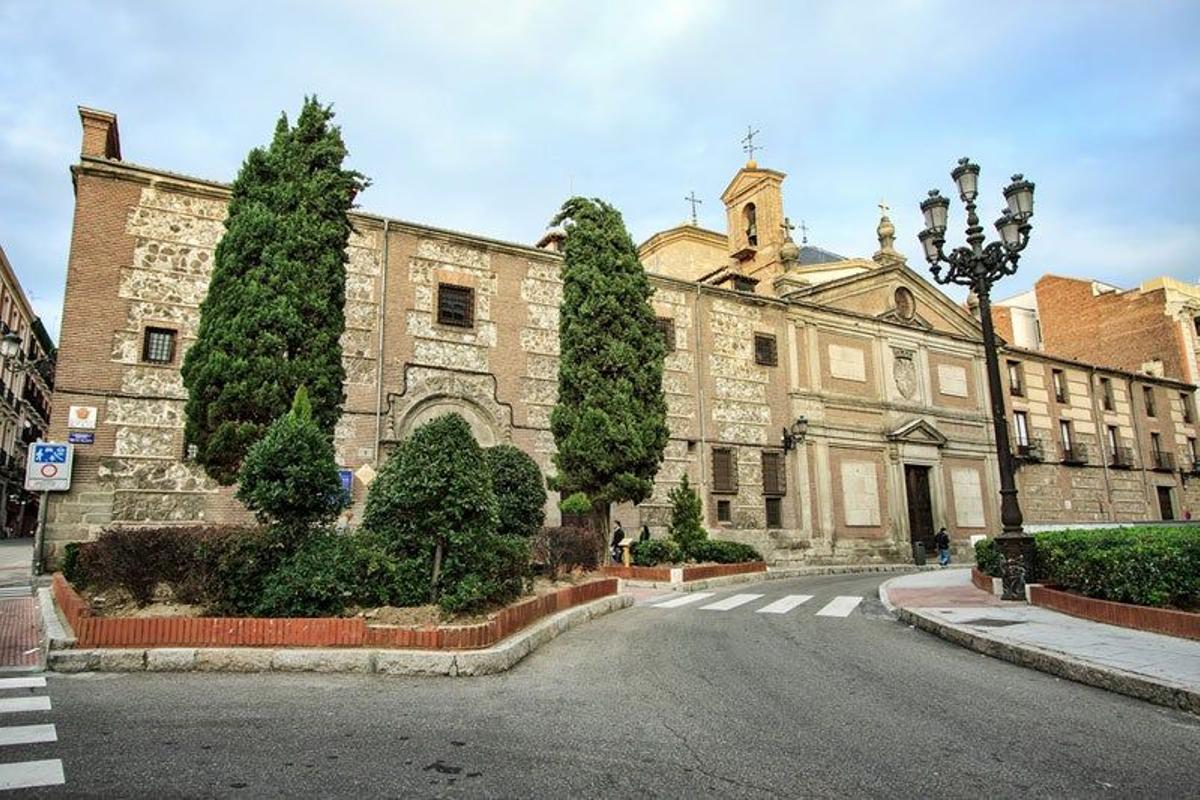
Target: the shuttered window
(456, 305)
(765, 352)
(774, 512)
(774, 471)
(666, 326)
(724, 470)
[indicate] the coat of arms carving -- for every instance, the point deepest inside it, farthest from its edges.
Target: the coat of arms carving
(905, 372)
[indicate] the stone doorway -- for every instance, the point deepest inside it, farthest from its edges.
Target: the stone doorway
(920, 507)
(1165, 509)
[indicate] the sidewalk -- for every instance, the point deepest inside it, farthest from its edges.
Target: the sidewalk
(19, 636)
(1150, 666)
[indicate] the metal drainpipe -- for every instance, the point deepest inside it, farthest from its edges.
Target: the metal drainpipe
(1102, 437)
(379, 351)
(1137, 439)
(700, 406)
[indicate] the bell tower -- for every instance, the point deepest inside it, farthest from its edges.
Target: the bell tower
(754, 212)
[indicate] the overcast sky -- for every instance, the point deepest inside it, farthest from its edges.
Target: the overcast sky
(485, 116)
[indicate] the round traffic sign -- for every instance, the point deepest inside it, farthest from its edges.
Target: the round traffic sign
(49, 470)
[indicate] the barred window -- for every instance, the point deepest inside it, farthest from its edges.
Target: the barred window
(774, 470)
(724, 470)
(666, 326)
(724, 511)
(158, 346)
(774, 512)
(765, 352)
(456, 305)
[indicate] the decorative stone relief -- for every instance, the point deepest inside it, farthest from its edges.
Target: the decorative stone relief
(860, 493)
(904, 371)
(952, 380)
(432, 392)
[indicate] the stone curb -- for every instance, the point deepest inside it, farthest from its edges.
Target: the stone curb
(775, 575)
(56, 633)
(1052, 662)
(458, 663)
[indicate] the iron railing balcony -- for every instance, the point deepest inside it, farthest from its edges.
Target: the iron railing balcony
(1075, 454)
(1162, 461)
(1029, 451)
(1121, 458)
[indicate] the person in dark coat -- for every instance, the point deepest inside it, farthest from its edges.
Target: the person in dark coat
(942, 540)
(618, 537)
(645, 537)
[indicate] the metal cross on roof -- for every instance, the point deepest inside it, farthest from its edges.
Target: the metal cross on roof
(884, 208)
(748, 142)
(691, 198)
(788, 227)
(803, 233)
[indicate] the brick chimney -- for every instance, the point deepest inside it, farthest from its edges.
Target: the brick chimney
(100, 136)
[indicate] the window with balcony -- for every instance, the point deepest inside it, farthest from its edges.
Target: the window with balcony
(1016, 379)
(1021, 428)
(1059, 379)
(1073, 452)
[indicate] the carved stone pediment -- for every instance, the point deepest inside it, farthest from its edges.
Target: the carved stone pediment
(915, 321)
(918, 431)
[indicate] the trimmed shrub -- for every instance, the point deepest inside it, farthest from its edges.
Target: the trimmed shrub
(656, 551)
(290, 476)
(520, 490)
(565, 548)
(434, 497)
(722, 551)
(988, 558)
(686, 528)
(577, 503)
(320, 579)
(72, 567)
(1150, 565)
(236, 568)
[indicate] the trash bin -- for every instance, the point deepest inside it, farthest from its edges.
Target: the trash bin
(919, 554)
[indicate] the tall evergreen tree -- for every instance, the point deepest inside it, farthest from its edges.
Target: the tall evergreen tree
(273, 317)
(610, 422)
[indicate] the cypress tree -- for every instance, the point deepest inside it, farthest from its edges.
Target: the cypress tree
(273, 317)
(610, 422)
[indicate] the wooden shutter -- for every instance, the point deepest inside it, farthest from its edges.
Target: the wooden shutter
(765, 352)
(774, 469)
(666, 327)
(724, 469)
(456, 305)
(774, 512)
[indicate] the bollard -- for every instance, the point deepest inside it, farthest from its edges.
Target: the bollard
(626, 558)
(919, 554)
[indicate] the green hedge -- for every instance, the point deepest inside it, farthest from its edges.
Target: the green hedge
(656, 551)
(988, 558)
(722, 551)
(1148, 565)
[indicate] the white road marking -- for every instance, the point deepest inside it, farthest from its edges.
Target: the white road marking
(9, 705)
(684, 600)
(730, 602)
(27, 734)
(840, 606)
(22, 683)
(785, 604)
(27, 774)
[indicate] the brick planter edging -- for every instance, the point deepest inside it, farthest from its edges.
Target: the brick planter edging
(1143, 618)
(684, 574)
(92, 631)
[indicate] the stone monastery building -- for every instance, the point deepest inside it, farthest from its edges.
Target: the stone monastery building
(886, 372)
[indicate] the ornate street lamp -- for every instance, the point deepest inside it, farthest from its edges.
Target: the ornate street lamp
(795, 434)
(978, 267)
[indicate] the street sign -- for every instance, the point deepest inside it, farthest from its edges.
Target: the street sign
(48, 468)
(81, 437)
(347, 477)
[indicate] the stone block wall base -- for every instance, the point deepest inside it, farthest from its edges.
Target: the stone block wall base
(500, 658)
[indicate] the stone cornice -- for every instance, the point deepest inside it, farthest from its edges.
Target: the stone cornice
(1039, 355)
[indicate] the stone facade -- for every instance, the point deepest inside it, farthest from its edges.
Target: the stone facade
(886, 373)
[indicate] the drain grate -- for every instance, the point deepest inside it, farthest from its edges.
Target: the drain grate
(992, 623)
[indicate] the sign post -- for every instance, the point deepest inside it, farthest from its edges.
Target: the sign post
(47, 469)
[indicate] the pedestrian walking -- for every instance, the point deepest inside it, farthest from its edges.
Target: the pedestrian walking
(645, 537)
(942, 540)
(618, 537)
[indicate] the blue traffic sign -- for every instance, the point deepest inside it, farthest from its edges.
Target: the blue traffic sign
(50, 454)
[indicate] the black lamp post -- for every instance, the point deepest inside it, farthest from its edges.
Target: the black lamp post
(978, 267)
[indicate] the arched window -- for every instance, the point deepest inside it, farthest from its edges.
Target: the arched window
(751, 218)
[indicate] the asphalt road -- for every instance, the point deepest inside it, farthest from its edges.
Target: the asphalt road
(647, 702)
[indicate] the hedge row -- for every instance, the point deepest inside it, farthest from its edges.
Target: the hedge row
(667, 551)
(1147, 565)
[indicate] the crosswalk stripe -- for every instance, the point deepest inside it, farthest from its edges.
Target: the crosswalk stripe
(27, 734)
(730, 602)
(27, 774)
(10, 705)
(22, 683)
(840, 606)
(676, 602)
(785, 604)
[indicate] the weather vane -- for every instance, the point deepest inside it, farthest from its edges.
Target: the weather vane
(748, 143)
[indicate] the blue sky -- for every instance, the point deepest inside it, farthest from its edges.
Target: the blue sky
(484, 116)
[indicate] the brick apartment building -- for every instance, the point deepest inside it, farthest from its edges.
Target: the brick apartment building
(883, 370)
(24, 400)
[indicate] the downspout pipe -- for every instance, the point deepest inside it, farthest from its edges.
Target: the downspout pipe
(1102, 438)
(700, 404)
(379, 362)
